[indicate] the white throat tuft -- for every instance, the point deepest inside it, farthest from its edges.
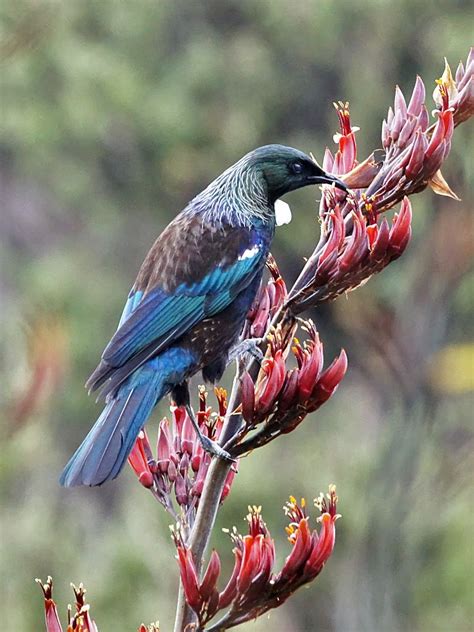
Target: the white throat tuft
(282, 213)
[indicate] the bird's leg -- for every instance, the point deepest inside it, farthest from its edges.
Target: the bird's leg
(180, 394)
(250, 346)
(210, 446)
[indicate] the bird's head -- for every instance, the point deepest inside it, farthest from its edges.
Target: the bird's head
(285, 169)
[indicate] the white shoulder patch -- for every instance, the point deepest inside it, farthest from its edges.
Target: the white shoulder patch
(282, 213)
(249, 253)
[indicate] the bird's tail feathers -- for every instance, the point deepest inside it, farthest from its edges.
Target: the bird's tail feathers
(105, 449)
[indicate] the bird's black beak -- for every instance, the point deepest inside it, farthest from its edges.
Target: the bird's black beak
(327, 178)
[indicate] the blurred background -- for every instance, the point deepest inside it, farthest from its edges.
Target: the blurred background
(114, 114)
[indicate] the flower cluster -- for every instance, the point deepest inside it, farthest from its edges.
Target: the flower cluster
(280, 398)
(354, 244)
(79, 621)
(253, 587)
(176, 476)
(353, 252)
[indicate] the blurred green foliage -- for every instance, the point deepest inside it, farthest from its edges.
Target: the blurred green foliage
(114, 114)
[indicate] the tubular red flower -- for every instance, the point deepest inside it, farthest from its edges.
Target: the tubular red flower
(310, 367)
(400, 231)
(356, 246)
(323, 547)
(289, 392)
(437, 136)
(189, 578)
(301, 540)
(227, 596)
(273, 369)
(379, 248)
(248, 568)
(345, 158)
(336, 236)
(329, 381)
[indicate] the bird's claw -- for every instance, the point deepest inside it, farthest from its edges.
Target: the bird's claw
(214, 449)
(249, 346)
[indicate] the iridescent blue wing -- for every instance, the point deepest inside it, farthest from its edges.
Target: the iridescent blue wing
(191, 273)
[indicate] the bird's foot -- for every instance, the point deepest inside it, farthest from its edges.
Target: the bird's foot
(214, 449)
(249, 346)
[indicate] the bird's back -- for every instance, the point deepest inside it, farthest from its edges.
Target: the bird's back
(196, 274)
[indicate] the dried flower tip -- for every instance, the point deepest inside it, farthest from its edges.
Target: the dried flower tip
(446, 90)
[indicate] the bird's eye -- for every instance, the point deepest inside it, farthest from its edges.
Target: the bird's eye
(297, 167)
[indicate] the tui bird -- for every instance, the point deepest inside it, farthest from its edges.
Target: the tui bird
(188, 305)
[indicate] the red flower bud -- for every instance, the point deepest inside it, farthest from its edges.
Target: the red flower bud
(247, 397)
(406, 132)
(417, 98)
(424, 119)
(397, 124)
(328, 160)
(198, 452)
(188, 434)
(138, 459)
(417, 155)
(259, 323)
(228, 482)
(400, 103)
(163, 448)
